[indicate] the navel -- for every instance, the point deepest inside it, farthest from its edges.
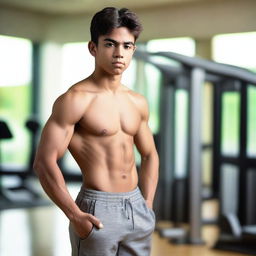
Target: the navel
(124, 176)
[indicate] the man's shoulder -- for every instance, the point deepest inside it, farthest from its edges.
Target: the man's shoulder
(81, 88)
(140, 101)
(134, 95)
(137, 98)
(77, 92)
(75, 99)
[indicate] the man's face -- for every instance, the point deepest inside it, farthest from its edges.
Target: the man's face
(114, 51)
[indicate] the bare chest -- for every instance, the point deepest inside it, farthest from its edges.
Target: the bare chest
(108, 115)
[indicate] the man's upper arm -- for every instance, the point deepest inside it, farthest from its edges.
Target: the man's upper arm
(144, 138)
(59, 128)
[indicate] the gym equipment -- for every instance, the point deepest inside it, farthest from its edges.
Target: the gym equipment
(22, 195)
(190, 74)
(235, 237)
(236, 173)
(5, 133)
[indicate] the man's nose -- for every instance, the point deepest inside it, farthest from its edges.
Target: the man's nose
(118, 53)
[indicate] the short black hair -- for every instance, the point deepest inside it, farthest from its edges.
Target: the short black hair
(109, 18)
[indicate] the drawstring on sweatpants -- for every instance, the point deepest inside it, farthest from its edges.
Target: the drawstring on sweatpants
(126, 203)
(92, 207)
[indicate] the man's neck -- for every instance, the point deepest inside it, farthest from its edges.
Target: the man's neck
(107, 82)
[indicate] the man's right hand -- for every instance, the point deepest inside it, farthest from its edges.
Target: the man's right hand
(84, 223)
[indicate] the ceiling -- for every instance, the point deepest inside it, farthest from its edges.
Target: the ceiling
(59, 7)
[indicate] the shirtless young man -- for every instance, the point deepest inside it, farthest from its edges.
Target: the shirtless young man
(100, 120)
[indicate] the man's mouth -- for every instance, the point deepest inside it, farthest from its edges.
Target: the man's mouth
(117, 63)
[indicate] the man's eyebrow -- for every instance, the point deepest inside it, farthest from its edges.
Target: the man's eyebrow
(115, 42)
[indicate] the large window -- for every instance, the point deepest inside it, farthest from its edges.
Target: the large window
(182, 45)
(181, 132)
(251, 139)
(230, 123)
(236, 49)
(77, 63)
(15, 94)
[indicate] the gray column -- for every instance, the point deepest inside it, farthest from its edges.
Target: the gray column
(166, 147)
(195, 155)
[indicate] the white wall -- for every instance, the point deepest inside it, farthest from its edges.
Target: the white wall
(199, 19)
(23, 24)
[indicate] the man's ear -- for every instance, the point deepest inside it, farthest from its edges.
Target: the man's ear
(92, 48)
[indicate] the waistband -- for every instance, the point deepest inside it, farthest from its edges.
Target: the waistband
(110, 197)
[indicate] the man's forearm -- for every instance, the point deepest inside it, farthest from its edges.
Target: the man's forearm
(53, 183)
(148, 177)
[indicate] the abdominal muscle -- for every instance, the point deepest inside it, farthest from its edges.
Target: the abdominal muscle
(107, 162)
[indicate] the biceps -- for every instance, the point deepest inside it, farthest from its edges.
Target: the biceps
(55, 139)
(144, 140)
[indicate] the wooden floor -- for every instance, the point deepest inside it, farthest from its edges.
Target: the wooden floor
(43, 231)
(163, 247)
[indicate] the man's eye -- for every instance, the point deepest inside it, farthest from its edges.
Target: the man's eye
(127, 46)
(109, 44)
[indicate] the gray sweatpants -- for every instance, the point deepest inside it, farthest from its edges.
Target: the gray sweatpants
(128, 224)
